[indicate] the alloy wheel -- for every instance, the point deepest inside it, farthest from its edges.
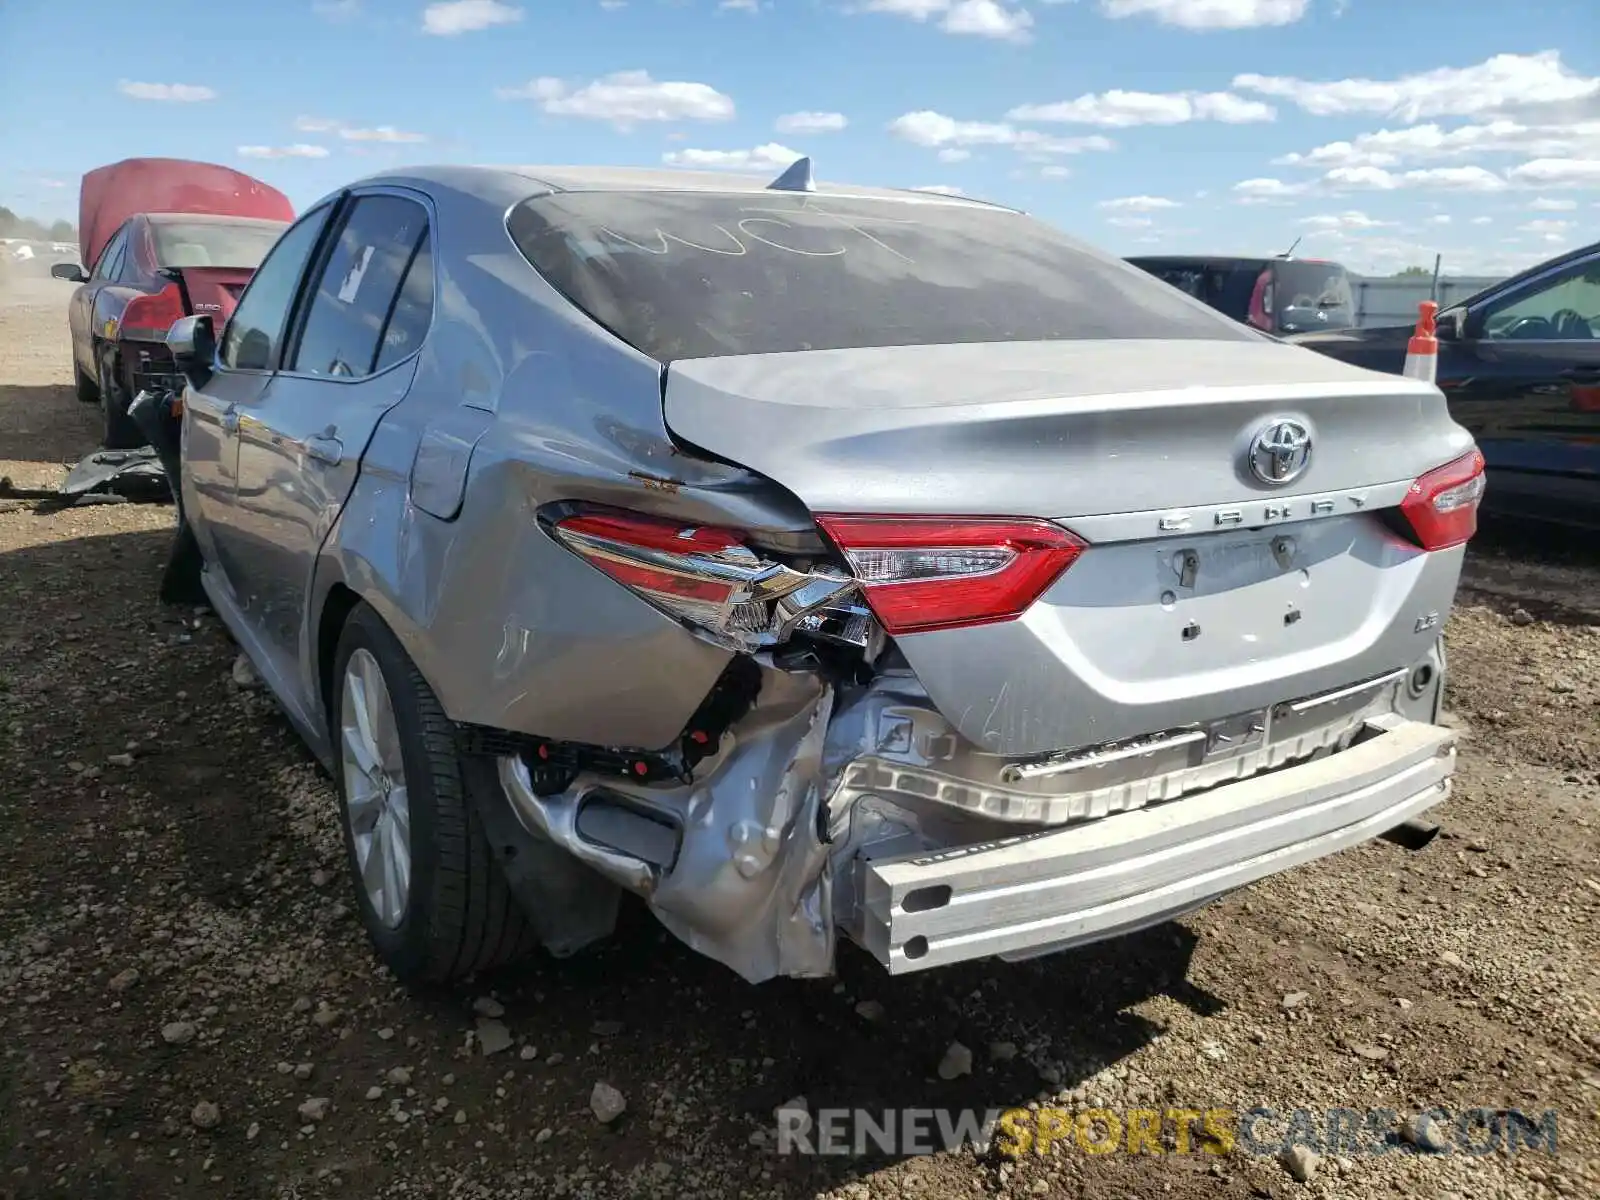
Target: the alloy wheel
(376, 801)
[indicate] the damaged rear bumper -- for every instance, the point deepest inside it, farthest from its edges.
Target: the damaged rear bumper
(1049, 891)
(860, 811)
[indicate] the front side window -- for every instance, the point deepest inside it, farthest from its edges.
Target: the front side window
(349, 311)
(1562, 308)
(254, 336)
(111, 256)
(701, 274)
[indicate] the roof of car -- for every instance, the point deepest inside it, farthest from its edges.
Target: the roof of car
(490, 181)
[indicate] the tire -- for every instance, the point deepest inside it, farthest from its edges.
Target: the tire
(87, 390)
(120, 431)
(457, 915)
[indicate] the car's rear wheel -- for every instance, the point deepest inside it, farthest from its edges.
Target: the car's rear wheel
(431, 896)
(86, 389)
(121, 433)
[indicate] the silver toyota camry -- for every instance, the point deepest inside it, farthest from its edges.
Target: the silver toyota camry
(808, 561)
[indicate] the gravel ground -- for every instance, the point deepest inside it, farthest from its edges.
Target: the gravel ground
(191, 1009)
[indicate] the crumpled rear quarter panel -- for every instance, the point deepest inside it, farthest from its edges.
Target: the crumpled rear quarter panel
(511, 629)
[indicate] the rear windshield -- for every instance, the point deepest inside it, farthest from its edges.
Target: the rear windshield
(211, 244)
(1312, 295)
(700, 275)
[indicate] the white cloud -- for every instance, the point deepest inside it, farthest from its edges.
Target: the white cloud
(1119, 109)
(1361, 179)
(626, 98)
(382, 133)
(467, 16)
(811, 122)
(1351, 219)
(937, 131)
(1266, 191)
(298, 150)
(337, 10)
(351, 133)
(1054, 171)
(1545, 227)
(1559, 172)
(185, 93)
(772, 157)
(1439, 219)
(987, 18)
(53, 183)
(1139, 204)
(1423, 143)
(1376, 179)
(954, 154)
(1210, 14)
(1544, 204)
(1505, 81)
(939, 189)
(975, 18)
(749, 6)
(1483, 220)
(1454, 179)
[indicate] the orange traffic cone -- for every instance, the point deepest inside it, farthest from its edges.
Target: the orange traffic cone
(1422, 352)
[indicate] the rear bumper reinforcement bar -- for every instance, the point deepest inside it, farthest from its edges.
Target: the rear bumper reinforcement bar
(1058, 888)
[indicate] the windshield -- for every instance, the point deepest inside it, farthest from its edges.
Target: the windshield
(699, 275)
(213, 244)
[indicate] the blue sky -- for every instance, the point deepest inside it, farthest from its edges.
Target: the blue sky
(1379, 130)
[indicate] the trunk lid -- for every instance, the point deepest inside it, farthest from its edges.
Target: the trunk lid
(1205, 594)
(211, 291)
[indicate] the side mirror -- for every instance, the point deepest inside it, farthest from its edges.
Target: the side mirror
(71, 272)
(193, 348)
(1452, 325)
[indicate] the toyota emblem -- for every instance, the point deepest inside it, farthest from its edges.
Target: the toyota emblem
(1280, 452)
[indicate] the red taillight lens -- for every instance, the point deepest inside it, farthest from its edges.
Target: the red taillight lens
(654, 556)
(712, 580)
(1442, 506)
(147, 318)
(924, 573)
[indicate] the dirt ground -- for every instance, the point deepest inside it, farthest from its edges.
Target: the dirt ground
(176, 934)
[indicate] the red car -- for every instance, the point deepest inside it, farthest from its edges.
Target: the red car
(168, 239)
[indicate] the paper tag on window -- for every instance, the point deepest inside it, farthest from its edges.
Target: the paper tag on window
(352, 281)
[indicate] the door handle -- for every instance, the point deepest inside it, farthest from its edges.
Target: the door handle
(325, 449)
(230, 420)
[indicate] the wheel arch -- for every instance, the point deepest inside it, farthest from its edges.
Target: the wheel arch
(341, 600)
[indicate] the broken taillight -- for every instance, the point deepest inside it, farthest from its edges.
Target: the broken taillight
(147, 318)
(1442, 506)
(708, 577)
(925, 573)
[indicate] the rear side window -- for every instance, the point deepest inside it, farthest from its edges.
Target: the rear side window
(357, 289)
(699, 275)
(413, 309)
